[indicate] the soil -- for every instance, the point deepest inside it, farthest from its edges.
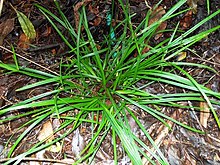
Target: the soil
(180, 146)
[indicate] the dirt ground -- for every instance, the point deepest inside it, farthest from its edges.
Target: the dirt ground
(180, 146)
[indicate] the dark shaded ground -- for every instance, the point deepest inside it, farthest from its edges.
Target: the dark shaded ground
(180, 146)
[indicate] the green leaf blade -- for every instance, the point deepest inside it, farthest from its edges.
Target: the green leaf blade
(26, 25)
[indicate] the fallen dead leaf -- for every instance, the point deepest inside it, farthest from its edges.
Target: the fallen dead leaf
(23, 42)
(163, 132)
(76, 11)
(156, 15)
(46, 132)
(187, 20)
(204, 114)
(181, 56)
(5, 28)
(94, 10)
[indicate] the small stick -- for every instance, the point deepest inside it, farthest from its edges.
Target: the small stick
(39, 48)
(29, 60)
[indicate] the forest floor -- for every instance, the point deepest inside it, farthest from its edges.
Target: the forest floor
(180, 146)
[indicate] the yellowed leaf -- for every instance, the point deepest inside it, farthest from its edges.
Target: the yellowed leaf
(26, 25)
(181, 56)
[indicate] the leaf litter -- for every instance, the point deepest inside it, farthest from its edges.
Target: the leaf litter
(6, 27)
(180, 145)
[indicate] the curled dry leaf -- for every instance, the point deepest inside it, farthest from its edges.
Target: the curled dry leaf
(46, 133)
(5, 28)
(156, 15)
(96, 21)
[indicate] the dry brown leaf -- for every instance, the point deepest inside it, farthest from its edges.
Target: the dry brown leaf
(5, 28)
(23, 42)
(186, 21)
(46, 132)
(204, 114)
(157, 14)
(163, 132)
(76, 11)
(94, 10)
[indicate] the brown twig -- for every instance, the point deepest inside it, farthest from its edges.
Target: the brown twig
(30, 61)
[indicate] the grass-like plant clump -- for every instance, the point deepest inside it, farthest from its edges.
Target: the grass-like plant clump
(101, 81)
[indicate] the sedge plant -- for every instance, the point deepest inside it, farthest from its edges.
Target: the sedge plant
(103, 82)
